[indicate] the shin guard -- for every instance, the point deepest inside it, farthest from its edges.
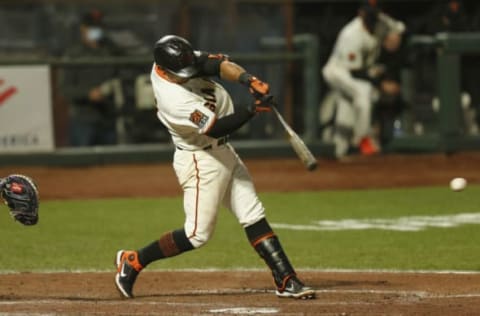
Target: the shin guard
(270, 250)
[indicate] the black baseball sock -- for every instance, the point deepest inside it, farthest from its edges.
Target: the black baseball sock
(169, 245)
(257, 230)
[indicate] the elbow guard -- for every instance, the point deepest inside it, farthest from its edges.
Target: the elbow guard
(210, 63)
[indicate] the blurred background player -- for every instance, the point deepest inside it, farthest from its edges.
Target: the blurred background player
(90, 89)
(199, 114)
(356, 80)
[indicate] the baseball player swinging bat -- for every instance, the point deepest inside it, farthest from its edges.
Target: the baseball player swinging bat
(302, 151)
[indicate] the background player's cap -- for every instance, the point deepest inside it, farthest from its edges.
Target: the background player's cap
(370, 11)
(175, 55)
(93, 17)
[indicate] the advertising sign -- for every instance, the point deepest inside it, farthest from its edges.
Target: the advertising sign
(26, 123)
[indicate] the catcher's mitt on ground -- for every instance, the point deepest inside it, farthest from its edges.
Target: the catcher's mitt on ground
(21, 196)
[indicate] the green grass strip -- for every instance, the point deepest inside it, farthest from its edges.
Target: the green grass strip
(85, 235)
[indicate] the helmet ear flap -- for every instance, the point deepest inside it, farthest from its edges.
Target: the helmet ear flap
(175, 55)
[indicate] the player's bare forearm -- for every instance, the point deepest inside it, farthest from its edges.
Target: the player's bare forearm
(230, 71)
(234, 72)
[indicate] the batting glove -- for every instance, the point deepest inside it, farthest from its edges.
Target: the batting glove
(256, 87)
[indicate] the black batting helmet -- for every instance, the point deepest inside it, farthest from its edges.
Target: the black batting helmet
(175, 55)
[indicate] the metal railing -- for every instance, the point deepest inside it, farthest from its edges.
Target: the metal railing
(449, 48)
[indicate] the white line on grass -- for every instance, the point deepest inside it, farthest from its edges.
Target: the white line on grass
(403, 224)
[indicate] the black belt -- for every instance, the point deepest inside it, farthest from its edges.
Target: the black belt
(220, 141)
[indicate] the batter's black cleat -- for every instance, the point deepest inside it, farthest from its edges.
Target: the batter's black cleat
(294, 288)
(128, 268)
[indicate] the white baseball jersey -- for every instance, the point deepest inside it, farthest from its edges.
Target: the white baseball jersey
(355, 48)
(210, 174)
(190, 109)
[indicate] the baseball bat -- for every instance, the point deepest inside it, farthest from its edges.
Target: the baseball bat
(302, 151)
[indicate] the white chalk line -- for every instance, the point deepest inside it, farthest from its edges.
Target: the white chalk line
(140, 301)
(210, 270)
(220, 308)
(403, 293)
(27, 314)
(245, 310)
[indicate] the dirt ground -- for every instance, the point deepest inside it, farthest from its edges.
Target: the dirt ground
(247, 292)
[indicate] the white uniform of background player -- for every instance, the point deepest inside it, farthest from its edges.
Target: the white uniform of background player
(356, 49)
(199, 114)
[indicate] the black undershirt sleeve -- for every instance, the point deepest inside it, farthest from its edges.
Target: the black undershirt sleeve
(209, 65)
(230, 123)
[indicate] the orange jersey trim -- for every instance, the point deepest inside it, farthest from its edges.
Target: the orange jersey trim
(161, 73)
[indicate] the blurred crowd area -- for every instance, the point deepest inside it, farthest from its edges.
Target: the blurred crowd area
(50, 29)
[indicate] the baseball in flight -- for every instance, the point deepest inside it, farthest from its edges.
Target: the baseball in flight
(458, 184)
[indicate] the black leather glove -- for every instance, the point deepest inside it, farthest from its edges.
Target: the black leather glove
(21, 196)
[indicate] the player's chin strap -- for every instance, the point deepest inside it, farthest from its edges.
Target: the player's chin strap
(269, 248)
